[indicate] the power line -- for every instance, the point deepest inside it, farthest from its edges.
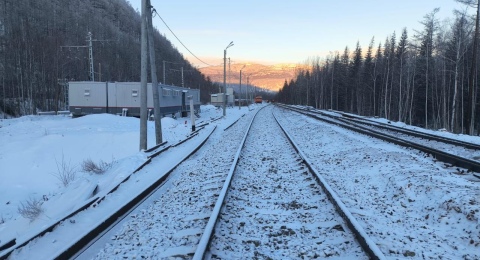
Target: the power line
(153, 10)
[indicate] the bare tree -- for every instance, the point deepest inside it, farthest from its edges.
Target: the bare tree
(470, 115)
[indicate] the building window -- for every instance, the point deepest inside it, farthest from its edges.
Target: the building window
(166, 92)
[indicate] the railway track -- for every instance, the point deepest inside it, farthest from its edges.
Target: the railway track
(172, 224)
(391, 129)
(83, 233)
(408, 132)
(454, 153)
(410, 204)
(278, 207)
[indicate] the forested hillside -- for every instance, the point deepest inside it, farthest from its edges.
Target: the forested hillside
(33, 61)
(269, 77)
(425, 78)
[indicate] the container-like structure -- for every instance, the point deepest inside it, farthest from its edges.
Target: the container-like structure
(123, 98)
(219, 98)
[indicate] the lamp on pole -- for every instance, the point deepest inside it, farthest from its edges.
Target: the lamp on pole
(240, 93)
(225, 78)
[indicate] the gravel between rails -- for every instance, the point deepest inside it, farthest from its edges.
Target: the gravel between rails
(275, 209)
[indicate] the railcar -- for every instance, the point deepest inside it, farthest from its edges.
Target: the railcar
(123, 98)
(258, 99)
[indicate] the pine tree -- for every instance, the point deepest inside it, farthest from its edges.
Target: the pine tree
(355, 80)
(401, 56)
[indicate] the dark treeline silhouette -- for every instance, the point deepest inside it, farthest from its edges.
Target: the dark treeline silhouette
(421, 80)
(33, 61)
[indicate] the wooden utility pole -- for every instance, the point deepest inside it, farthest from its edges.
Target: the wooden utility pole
(4, 68)
(153, 71)
(143, 75)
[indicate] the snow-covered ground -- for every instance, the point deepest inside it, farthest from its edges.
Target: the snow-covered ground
(411, 205)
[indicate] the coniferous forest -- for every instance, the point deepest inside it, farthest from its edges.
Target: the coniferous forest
(427, 78)
(42, 45)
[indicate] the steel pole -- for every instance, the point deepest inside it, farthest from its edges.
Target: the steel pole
(225, 78)
(240, 92)
(225, 82)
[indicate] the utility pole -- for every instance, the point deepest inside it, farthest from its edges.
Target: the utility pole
(240, 95)
(90, 56)
(143, 73)
(240, 91)
(183, 84)
(4, 69)
(153, 72)
(246, 90)
(225, 79)
(229, 77)
(164, 73)
(90, 53)
(229, 72)
(224, 82)
(91, 72)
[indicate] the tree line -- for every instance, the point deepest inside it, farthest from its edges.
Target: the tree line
(428, 79)
(42, 46)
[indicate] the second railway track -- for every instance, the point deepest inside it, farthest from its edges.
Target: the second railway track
(452, 152)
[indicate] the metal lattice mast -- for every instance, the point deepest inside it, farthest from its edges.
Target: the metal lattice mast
(90, 56)
(90, 41)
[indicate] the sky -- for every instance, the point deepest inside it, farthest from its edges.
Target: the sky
(272, 31)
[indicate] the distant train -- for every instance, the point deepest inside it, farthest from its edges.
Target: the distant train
(123, 98)
(258, 99)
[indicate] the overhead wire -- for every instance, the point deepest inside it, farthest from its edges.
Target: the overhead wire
(157, 14)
